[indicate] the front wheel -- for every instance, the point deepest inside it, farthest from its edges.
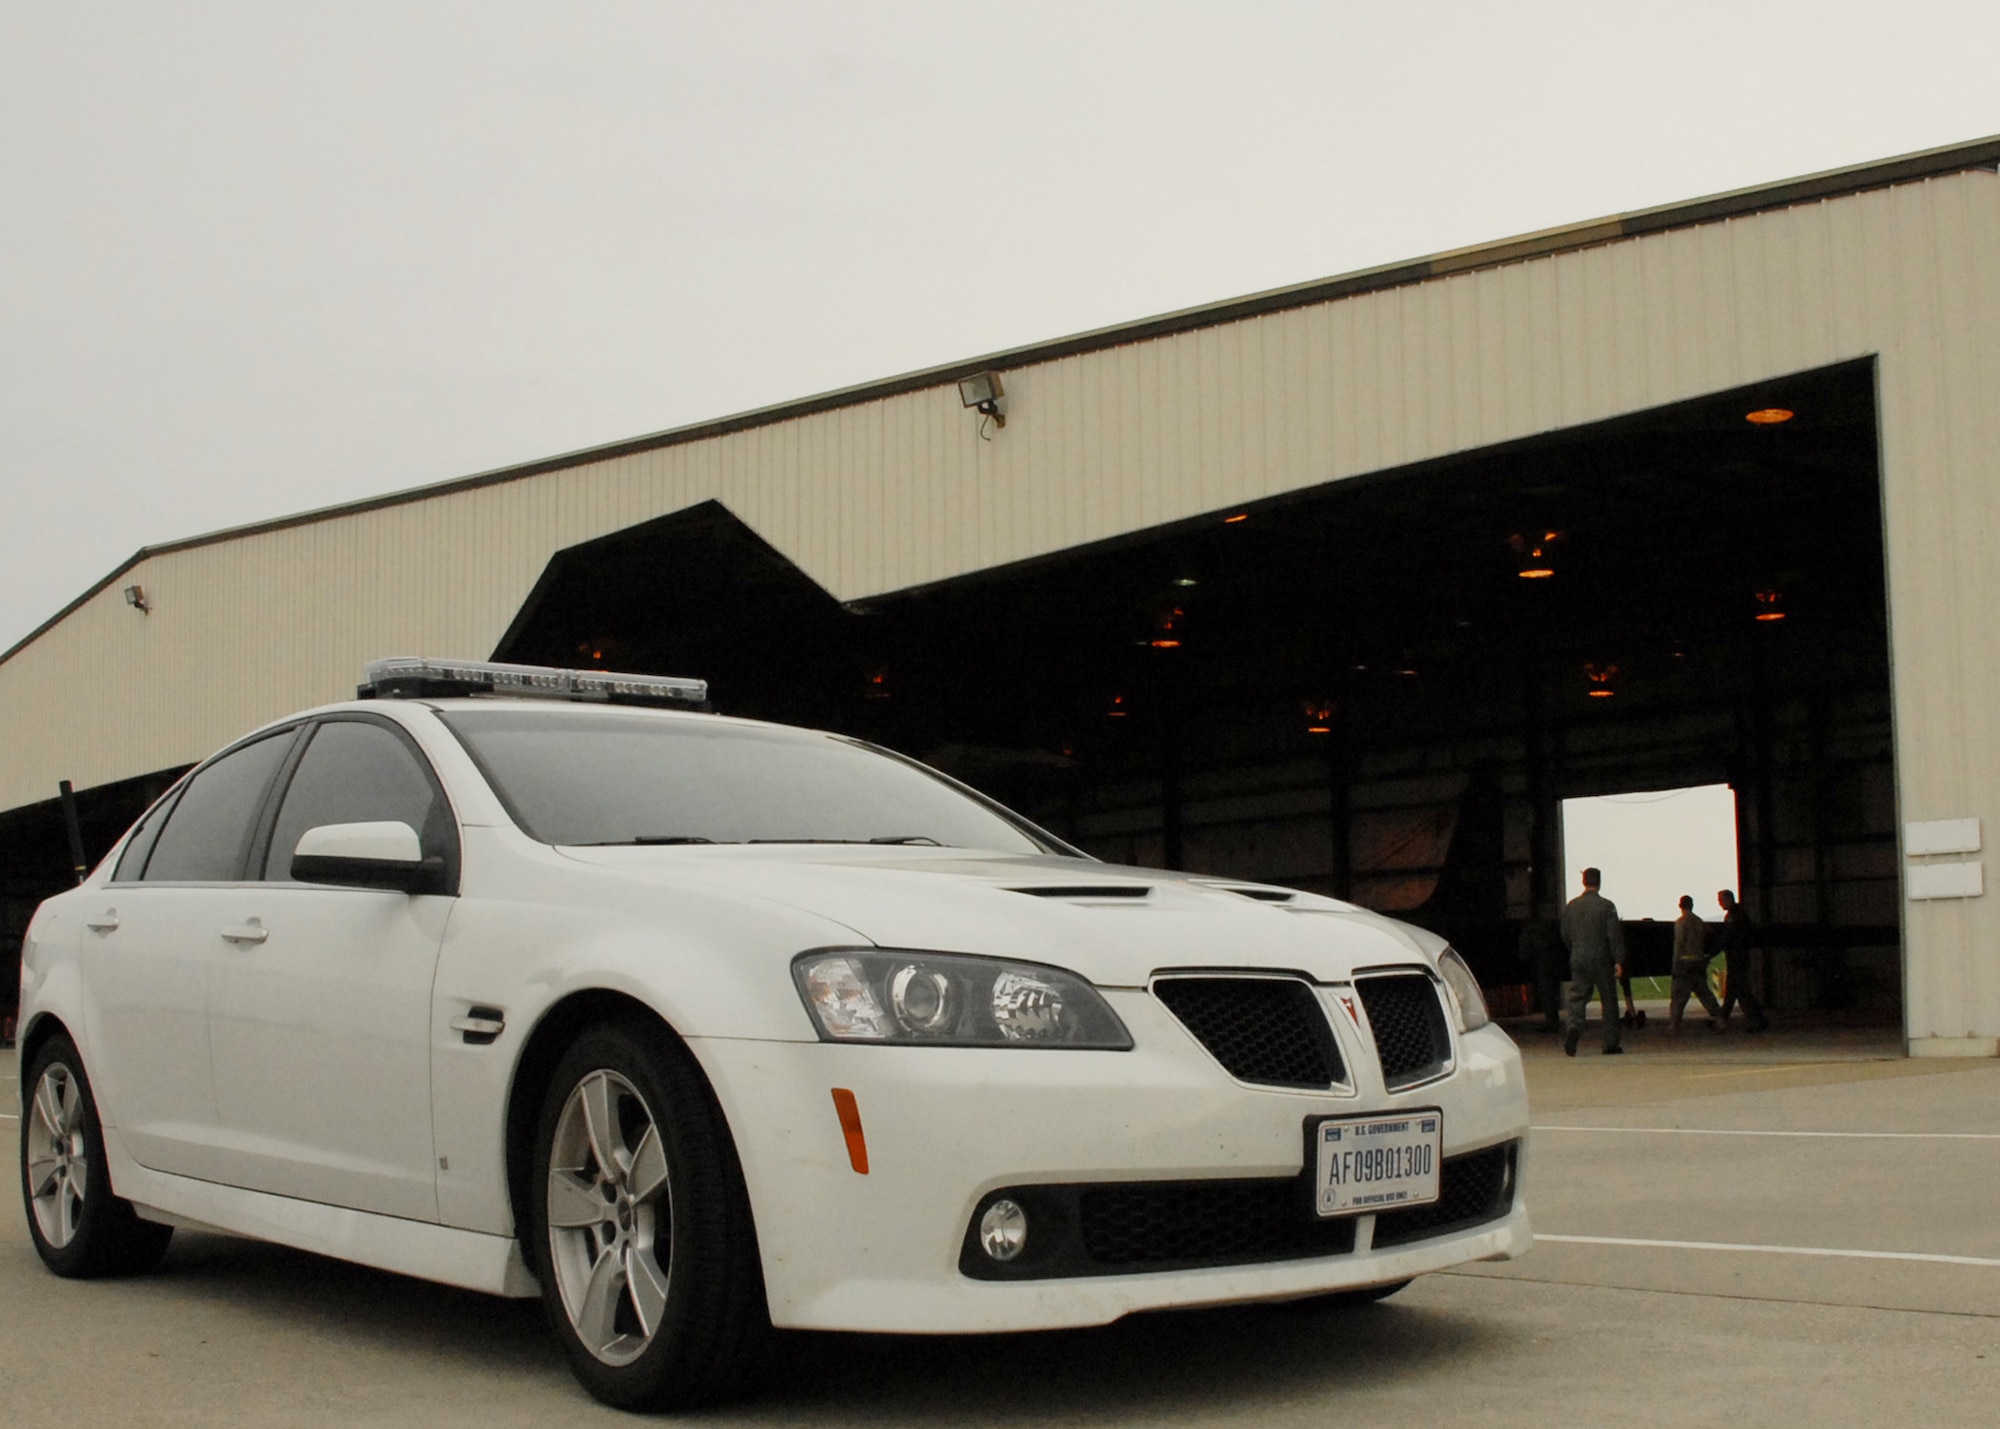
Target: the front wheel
(641, 1225)
(80, 1229)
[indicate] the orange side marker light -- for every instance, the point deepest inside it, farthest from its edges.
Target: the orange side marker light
(850, 1127)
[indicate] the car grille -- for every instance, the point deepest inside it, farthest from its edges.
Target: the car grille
(1408, 1021)
(1269, 1029)
(1472, 1188)
(1129, 1227)
(1203, 1222)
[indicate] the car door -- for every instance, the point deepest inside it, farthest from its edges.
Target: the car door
(319, 1010)
(149, 936)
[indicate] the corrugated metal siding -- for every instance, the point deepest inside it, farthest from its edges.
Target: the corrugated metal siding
(902, 491)
(1940, 403)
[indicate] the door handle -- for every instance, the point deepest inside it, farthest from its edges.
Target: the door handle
(104, 922)
(481, 1026)
(246, 933)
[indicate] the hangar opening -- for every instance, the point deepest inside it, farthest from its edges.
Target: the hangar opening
(1658, 846)
(1382, 688)
(1655, 847)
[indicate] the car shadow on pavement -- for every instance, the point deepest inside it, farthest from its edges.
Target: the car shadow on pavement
(334, 1297)
(1248, 1359)
(1244, 1358)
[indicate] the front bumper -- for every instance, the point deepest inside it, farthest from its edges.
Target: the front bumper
(947, 1127)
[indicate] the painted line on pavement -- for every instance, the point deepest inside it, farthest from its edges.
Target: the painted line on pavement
(1832, 1135)
(1771, 1249)
(1763, 1071)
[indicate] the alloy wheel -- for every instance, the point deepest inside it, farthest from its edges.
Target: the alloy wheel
(58, 1155)
(610, 1217)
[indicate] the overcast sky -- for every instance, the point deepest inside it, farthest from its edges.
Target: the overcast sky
(259, 258)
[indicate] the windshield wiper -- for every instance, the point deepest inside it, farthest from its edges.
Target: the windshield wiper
(886, 839)
(648, 839)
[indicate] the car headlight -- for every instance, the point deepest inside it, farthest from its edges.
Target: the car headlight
(1464, 990)
(952, 1000)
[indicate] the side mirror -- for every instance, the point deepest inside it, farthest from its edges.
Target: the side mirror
(381, 855)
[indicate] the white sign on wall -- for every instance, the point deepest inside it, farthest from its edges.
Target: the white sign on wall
(1959, 878)
(1941, 836)
(1945, 880)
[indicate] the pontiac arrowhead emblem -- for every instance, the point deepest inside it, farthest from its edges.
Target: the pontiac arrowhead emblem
(1348, 1003)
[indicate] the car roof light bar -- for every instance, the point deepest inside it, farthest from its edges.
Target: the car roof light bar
(419, 677)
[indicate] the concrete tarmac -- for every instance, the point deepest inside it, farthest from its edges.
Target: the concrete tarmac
(1855, 1279)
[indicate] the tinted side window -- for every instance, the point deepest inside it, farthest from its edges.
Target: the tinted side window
(207, 836)
(357, 772)
(139, 847)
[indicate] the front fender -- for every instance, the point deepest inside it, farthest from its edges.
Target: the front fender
(706, 967)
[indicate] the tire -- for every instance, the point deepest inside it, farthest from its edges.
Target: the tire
(649, 1271)
(80, 1228)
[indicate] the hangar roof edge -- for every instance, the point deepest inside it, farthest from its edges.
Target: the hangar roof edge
(1686, 213)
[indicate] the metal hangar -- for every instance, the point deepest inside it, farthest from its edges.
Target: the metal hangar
(1345, 586)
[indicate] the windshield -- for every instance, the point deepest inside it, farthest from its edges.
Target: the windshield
(572, 776)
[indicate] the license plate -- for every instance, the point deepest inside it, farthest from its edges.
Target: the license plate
(1377, 1163)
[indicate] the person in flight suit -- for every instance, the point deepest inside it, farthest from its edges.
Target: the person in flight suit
(1596, 942)
(1691, 969)
(1541, 949)
(1735, 941)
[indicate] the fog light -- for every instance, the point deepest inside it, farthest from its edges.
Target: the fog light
(1003, 1231)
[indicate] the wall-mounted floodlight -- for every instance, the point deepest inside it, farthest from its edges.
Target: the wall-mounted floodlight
(983, 393)
(135, 596)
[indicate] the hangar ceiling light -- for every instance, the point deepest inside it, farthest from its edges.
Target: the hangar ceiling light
(1533, 550)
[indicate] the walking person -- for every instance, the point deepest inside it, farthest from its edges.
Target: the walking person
(1735, 941)
(1691, 969)
(1541, 949)
(1596, 942)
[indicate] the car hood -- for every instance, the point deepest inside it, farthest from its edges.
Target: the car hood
(1114, 925)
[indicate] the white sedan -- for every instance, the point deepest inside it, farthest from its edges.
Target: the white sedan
(694, 1026)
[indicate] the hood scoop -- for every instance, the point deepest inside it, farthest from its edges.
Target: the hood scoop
(1125, 892)
(1261, 894)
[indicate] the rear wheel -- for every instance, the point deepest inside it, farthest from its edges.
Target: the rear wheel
(641, 1226)
(79, 1227)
